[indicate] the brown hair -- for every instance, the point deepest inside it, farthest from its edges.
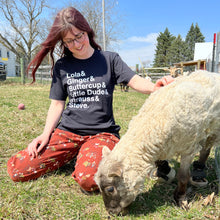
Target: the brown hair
(64, 21)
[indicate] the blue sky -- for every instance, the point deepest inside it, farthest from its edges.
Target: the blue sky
(144, 19)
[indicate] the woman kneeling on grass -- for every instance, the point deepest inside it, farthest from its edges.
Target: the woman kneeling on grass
(87, 76)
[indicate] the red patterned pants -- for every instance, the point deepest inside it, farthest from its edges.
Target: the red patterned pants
(63, 147)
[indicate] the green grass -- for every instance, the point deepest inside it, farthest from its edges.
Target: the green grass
(57, 196)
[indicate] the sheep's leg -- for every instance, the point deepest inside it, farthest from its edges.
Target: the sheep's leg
(199, 165)
(198, 175)
(183, 178)
(206, 148)
(204, 154)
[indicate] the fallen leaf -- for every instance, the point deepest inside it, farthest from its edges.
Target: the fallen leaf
(211, 217)
(209, 200)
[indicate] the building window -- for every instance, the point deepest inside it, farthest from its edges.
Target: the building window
(8, 54)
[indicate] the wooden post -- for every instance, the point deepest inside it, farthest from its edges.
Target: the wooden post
(198, 65)
(181, 68)
(22, 70)
(41, 76)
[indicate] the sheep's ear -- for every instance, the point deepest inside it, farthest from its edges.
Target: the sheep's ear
(105, 151)
(115, 172)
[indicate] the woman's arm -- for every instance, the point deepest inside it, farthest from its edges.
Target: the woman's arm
(145, 86)
(53, 117)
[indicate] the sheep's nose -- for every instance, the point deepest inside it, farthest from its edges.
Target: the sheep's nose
(113, 213)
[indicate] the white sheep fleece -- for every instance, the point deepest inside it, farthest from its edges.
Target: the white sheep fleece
(172, 121)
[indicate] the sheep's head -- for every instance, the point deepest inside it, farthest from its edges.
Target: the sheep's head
(115, 191)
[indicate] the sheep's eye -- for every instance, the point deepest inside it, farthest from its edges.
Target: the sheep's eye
(110, 189)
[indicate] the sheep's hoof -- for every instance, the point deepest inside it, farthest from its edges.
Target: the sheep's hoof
(181, 200)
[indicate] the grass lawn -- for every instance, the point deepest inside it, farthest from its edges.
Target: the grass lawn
(56, 195)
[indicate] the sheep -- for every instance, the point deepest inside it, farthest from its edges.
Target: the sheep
(180, 119)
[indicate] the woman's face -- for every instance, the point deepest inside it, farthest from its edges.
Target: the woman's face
(77, 42)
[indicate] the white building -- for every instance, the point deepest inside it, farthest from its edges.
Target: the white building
(204, 51)
(8, 58)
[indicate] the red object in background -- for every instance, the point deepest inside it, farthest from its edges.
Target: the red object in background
(202, 66)
(21, 106)
(213, 53)
(214, 40)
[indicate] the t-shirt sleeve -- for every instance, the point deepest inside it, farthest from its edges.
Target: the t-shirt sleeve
(57, 90)
(122, 72)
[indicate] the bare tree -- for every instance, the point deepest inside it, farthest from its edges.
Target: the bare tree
(146, 63)
(92, 11)
(21, 34)
(25, 25)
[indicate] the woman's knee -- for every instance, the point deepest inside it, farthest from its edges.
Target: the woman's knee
(85, 181)
(14, 171)
(85, 168)
(20, 169)
(89, 158)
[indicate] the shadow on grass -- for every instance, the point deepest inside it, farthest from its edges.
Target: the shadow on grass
(67, 169)
(162, 194)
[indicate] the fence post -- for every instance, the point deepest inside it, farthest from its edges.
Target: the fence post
(41, 77)
(22, 70)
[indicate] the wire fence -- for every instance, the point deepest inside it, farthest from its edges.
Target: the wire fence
(43, 74)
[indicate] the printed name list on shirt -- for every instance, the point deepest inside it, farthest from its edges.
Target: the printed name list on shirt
(83, 90)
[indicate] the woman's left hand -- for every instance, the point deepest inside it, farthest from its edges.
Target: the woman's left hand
(163, 82)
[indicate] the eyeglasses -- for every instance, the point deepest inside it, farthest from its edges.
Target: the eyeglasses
(79, 38)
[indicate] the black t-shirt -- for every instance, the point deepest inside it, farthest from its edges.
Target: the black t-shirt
(89, 86)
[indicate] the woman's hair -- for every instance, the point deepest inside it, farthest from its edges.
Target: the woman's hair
(64, 22)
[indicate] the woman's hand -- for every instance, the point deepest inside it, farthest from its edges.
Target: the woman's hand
(145, 86)
(163, 82)
(37, 145)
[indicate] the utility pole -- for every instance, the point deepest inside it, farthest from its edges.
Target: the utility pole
(213, 52)
(103, 23)
(217, 54)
